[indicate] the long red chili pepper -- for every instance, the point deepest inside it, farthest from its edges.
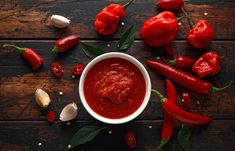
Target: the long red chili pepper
(181, 115)
(170, 4)
(33, 58)
(184, 79)
(182, 62)
(168, 123)
(65, 43)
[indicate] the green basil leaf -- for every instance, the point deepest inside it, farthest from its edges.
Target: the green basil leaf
(127, 39)
(91, 51)
(183, 137)
(84, 135)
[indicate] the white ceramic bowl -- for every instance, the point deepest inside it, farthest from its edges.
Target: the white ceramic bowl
(137, 64)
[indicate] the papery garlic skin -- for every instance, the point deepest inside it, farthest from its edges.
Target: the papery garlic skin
(60, 21)
(42, 98)
(69, 112)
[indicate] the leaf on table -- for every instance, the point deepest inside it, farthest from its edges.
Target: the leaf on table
(84, 135)
(91, 51)
(183, 137)
(127, 39)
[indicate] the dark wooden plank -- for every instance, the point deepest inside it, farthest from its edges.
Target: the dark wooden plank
(17, 92)
(25, 136)
(30, 19)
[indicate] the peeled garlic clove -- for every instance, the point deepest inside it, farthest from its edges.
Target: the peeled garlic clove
(60, 21)
(69, 112)
(42, 98)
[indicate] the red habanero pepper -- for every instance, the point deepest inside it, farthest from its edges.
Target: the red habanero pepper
(168, 122)
(77, 69)
(201, 35)
(107, 20)
(51, 116)
(65, 43)
(160, 30)
(182, 62)
(130, 139)
(33, 58)
(184, 79)
(170, 4)
(57, 69)
(181, 115)
(186, 99)
(207, 65)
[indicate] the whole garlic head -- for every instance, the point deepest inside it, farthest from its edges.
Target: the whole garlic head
(42, 98)
(60, 21)
(69, 112)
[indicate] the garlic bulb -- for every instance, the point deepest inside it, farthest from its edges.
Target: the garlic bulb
(60, 21)
(69, 112)
(42, 98)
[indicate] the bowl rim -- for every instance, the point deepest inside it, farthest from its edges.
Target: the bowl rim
(138, 65)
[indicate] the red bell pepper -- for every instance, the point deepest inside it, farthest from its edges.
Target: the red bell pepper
(160, 30)
(207, 65)
(65, 43)
(182, 62)
(170, 4)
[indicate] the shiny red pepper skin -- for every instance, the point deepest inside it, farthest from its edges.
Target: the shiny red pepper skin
(184, 79)
(201, 35)
(33, 58)
(77, 69)
(182, 62)
(65, 43)
(187, 100)
(160, 30)
(170, 4)
(207, 65)
(130, 139)
(181, 115)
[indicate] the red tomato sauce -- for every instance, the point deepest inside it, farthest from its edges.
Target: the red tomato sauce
(114, 88)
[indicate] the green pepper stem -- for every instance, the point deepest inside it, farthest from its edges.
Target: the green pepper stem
(188, 18)
(216, 89)
(162, 143)
(160, 96)
(55, 49)
(20, 49)
(127, 4)
(173, 61)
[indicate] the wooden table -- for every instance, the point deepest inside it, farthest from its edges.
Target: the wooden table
(26, 23)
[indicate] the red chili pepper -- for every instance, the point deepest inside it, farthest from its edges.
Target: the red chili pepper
(107, 20)
(207, 65)
(51, 117)
(170, 4)
(182, 62)
(65, 43)
(130, 139)
(181, 115)
(186, 100)
(77, 69)
(34, 59)
(168, 123)
(57, 69)
(160, 30)
(201, 35)
(184, 79)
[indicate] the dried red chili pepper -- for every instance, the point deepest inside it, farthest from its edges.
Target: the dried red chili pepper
(207, 65)
(182, 62)
(77, 69)
(57, 69)
(201, 35)
(33, 58)
(65, 43)
(170, 4)
(186, 99)
(181, 115)
(184, 79)
(130, 139)
(168, 122)
(51, 116)
(107, 20)
(160, 30)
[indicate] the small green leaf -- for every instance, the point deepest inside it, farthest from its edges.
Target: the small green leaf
(183, 137)
(127, 39)
(84, 135)
(91, 51)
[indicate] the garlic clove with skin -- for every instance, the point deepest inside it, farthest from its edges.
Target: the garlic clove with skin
(42, 98)
(60, 21)
(69, 112)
